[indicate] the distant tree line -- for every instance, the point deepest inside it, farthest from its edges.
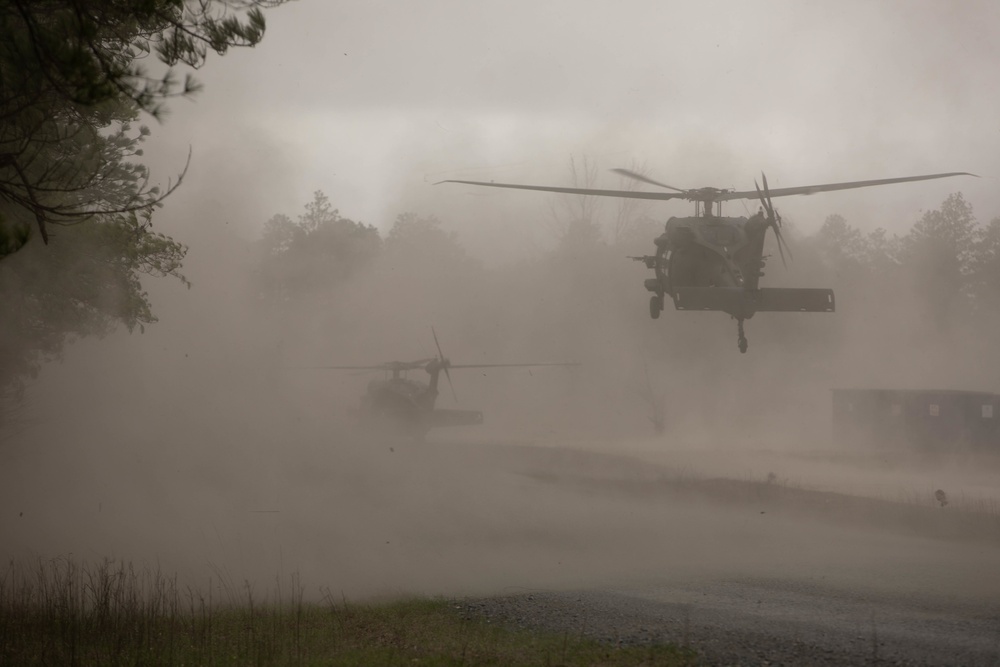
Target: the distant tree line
(942, 273)
(948, 260)
(321, 249)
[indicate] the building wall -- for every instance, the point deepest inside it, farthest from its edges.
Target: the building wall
(917, 418)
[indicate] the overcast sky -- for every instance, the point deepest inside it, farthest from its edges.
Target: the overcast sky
(374, 101)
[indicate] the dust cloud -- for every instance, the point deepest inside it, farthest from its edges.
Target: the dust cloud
(215, 446)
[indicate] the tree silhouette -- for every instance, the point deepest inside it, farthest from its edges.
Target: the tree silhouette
(73, 82)
(938, 252)
(320, 250)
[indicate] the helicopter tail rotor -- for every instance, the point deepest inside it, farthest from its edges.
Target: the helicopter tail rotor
(773, 219)
(444, 365)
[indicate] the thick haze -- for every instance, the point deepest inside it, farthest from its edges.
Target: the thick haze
(372, 102)
(205, 445)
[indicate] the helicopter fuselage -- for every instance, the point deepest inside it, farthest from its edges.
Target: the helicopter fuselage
(708, 251)
(400, 392)
(709, 262)
(407, 407)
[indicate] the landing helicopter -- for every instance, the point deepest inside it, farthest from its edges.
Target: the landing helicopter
(406, 406)
(712, 262)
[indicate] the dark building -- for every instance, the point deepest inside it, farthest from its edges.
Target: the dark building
(924, 418)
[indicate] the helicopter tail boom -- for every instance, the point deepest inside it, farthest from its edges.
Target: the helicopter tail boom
(743, 303)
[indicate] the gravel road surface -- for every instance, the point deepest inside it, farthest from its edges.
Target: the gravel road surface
(802, 577)
(758, 622)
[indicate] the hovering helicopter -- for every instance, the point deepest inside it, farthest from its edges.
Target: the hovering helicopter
(406, 406)
(712, 262)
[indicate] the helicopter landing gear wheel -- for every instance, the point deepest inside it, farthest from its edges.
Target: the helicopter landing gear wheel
(741, 340)
(655, 306)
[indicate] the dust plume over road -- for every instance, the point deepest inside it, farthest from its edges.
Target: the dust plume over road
(459, 516)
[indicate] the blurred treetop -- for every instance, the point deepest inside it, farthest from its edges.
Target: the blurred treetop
(75, 75)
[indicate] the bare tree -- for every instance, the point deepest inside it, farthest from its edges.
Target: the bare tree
(628, 211)
(577, 216)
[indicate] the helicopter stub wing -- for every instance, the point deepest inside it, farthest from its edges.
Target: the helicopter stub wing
(832, 187)
(742, 303)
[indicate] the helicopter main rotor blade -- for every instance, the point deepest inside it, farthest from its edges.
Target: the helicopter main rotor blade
(388, 366)
(444, 365)
(451, 386)
(831, 187)
(437, 344)
(627, 194)
(644, 179)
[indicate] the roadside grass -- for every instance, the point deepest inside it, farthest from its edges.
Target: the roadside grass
(61, 612)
